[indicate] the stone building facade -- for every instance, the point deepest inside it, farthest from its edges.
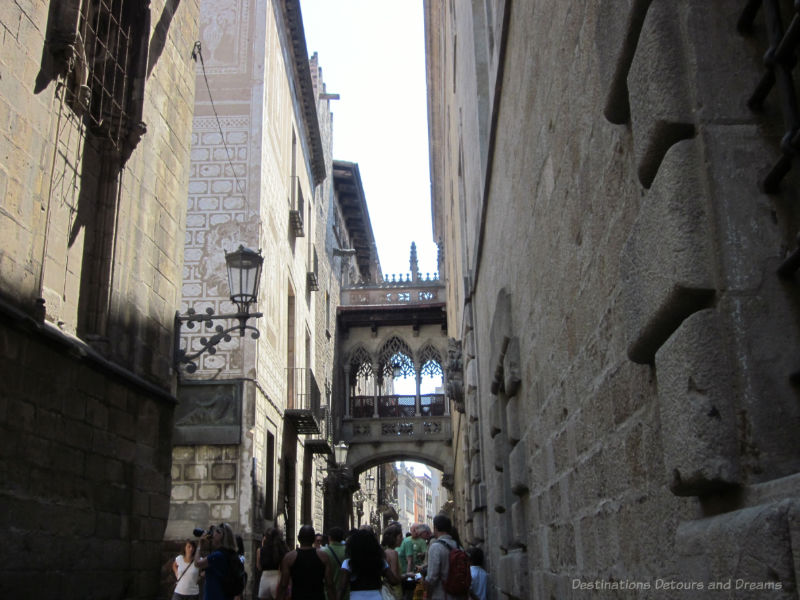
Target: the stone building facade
(614, 192)
(252, 426)
(95, 119)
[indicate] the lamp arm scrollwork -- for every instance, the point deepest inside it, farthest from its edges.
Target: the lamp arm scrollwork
(209, 344)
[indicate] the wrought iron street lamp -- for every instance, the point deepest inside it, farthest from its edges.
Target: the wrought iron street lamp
(244, 272)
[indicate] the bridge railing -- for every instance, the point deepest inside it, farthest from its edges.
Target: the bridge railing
(421, 291)
(397, 429)
(397, 405)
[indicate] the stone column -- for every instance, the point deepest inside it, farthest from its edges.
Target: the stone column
(347, 394)
(378, 388)
(338, 488)
(417, 398)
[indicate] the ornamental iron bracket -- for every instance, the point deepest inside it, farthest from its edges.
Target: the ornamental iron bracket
(184, 357)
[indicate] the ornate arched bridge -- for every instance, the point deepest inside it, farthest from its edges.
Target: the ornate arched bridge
(393, 362)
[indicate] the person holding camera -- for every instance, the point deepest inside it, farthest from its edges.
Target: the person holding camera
(216, 564)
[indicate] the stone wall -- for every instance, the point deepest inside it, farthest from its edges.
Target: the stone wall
(208, 475)
(90, 258)
(255, 153)
(85, 470)
(628, 345)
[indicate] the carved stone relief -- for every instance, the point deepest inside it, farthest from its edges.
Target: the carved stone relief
(455, 374)
(209, 413)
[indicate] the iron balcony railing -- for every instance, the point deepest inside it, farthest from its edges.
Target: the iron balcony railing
(303, 400)
(298, 207)
(395, 405)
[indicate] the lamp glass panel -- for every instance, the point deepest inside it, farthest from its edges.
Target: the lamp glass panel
(340, 453)
(244, 272)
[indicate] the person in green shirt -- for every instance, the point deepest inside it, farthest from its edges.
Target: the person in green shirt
(413, 550)
(336, 549)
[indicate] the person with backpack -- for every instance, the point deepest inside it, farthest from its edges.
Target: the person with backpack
(448, 576)
(268, 557)
(224, 573)
(337, 550)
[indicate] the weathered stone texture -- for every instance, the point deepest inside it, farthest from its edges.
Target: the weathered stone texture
(667, 265)
(204, 490)
(88, 491)
(619, 24)
(87, 434)
(752, 547)
(599, 244)
(661, 105)
(698, 420)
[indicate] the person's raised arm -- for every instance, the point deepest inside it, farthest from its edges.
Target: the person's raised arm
(201, 562)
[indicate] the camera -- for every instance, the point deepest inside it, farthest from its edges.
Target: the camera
(200, 532)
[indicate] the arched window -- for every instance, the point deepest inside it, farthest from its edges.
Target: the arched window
(397, 367)
(362, 384)
(395, 359)
(430, 362)
(360, 367)
(431, 400)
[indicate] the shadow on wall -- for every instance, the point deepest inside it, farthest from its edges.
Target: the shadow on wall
(64, 54)
(159, 39)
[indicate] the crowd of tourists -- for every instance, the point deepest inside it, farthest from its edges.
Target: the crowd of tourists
(422, 564)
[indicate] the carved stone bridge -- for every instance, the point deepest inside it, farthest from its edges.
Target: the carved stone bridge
(394, 345)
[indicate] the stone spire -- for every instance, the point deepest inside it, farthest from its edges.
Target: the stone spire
(414, 263)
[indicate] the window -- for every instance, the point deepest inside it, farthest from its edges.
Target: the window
(99, 48)
(103, 57)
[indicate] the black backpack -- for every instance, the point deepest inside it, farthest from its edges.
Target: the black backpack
(235, 578)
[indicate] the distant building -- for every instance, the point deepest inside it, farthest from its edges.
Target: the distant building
(418, 496)
(407, 494)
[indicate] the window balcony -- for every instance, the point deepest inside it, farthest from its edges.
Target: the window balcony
(393, 406)
(303, 407)
(298, 208)
(312, 281)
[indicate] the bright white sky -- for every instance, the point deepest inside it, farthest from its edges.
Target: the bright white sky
(372, 53)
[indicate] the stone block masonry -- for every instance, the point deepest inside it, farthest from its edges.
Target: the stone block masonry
(90, 235)
(84, 503)
(204, 484)
(648, 435)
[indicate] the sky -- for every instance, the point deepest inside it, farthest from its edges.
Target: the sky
(372, 53)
